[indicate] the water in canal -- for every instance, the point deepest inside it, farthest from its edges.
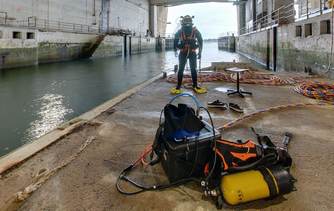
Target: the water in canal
(35, 100)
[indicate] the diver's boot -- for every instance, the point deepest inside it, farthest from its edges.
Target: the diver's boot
(200, 90)
(175, 91)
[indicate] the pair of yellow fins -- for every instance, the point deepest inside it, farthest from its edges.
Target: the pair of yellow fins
(198, 90)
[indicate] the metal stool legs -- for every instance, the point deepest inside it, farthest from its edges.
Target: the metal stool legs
(238, 91)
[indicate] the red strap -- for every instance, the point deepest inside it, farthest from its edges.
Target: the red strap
(192, 35)
(223, 159)
(244, 156)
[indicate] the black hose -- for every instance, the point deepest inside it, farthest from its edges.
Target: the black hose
(252, 165)
(143, 188)
(196, 159)
(214, 141)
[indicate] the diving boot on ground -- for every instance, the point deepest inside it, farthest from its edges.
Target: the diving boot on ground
(217, 104)
(175, 91)
(235, 107)
(200, 90)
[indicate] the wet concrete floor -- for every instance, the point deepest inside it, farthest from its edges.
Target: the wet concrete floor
(88, 183)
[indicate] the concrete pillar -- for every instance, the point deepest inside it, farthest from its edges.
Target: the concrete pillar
(254, 14)
(153, 22)
(269, 9)
(241, 10)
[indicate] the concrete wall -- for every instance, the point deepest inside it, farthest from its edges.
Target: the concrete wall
(294, 53)
(111, 46)
(249, 13)
(47, 46)
(74, 11)
(131, 14)
(147, 44)
(125, 14)
(114, 46)
(60, 46)
(241, 17)
(255, 46)
(162, 20)
(226, 43)
(20, 51)
(41, 47)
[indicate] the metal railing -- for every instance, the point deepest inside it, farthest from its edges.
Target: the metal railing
(305, 10)
(49, 25)
(282, 15)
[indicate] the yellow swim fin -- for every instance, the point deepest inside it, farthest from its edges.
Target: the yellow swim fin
(175, 91)
(200, 90)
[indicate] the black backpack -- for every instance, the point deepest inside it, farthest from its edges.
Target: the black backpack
(181, 122)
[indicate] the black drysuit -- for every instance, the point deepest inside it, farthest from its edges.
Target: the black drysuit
(188, 40)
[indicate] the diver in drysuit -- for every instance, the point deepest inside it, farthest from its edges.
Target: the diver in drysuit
(188, 39)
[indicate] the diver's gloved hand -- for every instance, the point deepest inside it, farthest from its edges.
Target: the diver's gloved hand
(199, 56)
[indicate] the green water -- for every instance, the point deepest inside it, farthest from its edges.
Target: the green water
(35, 100)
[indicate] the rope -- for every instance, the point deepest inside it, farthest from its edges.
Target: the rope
(271, 109)
(21, 196)
(316, 90)
(249, 77)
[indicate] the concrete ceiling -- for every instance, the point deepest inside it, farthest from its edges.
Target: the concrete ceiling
(179, 2)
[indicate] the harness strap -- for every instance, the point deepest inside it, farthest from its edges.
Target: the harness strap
(183, 37)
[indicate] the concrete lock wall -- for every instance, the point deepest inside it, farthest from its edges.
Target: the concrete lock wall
(111, 46)
(124, 14)
(60, 46)
(19, 51)
(227, 43)
(140, 44)
(257, 46)
(25, 47)
(312, 51)
(131, 14)
(295, 52)
(51, 44)
(74, 11)
(114, 46)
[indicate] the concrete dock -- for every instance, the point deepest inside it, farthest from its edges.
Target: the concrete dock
(96, 152)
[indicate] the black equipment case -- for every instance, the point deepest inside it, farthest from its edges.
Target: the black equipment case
(187, 158)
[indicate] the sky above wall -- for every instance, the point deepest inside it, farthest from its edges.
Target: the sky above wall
(211, 19)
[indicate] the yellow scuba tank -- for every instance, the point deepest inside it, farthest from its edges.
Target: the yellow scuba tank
(256, 184)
